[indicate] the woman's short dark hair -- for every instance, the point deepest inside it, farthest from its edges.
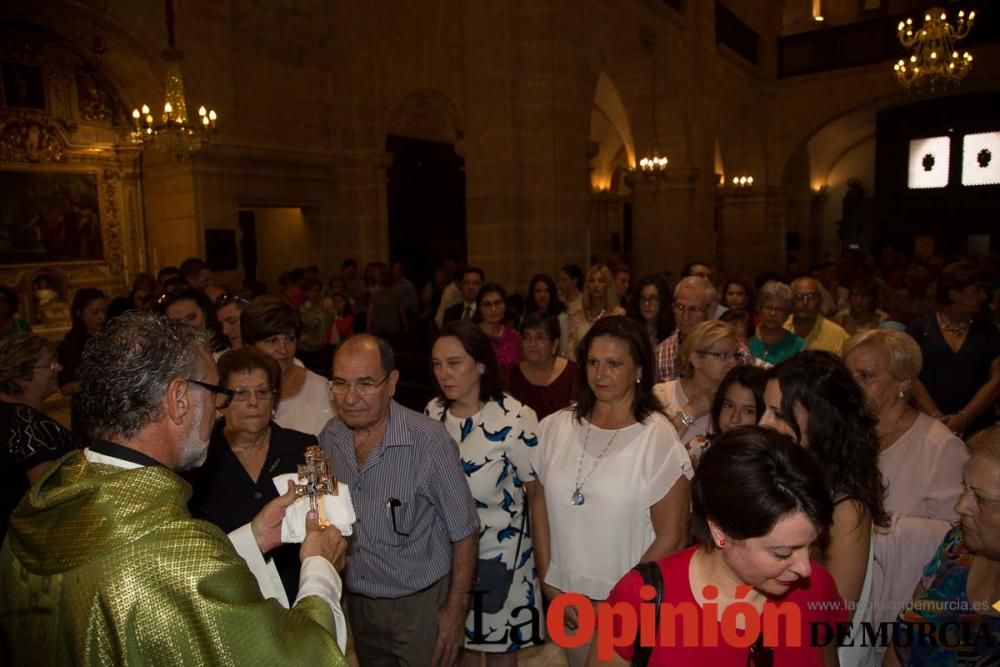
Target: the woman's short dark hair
(83, 296)
(957, 276)
(249, 359)
(841, 428)
(556, 305)
(776, 477)
(483, 291)
(665, 323)
(547, 323)
(752, 378)
(575, 273)
(477, 345)
(632, 333)
(268, 316)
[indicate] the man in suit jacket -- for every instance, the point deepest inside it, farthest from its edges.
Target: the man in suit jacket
(472, 281)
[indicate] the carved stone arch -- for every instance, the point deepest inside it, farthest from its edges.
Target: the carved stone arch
(426, 114)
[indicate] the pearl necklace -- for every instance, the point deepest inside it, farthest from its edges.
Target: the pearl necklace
(959, 329)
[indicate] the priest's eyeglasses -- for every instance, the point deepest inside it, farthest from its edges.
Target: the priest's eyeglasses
(365, 387)
(223, 396)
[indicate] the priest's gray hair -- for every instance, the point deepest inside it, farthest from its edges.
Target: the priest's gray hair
(127, 367)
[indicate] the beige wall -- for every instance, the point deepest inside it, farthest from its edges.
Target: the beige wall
(307, 92)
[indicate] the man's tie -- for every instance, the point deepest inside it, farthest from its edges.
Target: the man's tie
(467, 313)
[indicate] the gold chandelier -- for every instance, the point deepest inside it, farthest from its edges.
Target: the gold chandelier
(174, 133)
(934, 59)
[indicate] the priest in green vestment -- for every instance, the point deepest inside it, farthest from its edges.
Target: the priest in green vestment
(103, 564)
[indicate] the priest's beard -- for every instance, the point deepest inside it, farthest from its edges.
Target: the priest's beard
(194, 450)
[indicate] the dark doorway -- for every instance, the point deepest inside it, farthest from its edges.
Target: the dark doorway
(426, 192)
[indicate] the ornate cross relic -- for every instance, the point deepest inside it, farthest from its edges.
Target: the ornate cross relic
(315, 478)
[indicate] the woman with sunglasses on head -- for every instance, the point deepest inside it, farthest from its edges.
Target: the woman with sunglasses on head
(813, 399)
(228, 308)
(495, 434)
(491, 306)
(247, 450)
(30, 439)
(191, 306)
(706, 355)
(272, 326)
(543, 380)
(753, 545)
(599, 299)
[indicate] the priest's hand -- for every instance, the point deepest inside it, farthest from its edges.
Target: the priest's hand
(266, 525)
(323, 541)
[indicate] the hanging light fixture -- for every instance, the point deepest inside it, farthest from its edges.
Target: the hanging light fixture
(652, 166)
(934, 60)
(743, 181)
(173, 133)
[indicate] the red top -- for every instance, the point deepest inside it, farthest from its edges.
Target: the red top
(817, 598)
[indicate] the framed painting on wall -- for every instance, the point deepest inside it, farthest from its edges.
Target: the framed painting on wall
(49, 217)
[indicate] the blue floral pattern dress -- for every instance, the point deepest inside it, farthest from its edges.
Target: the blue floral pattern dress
(494, 445)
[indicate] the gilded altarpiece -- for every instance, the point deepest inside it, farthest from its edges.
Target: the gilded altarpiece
(70, 191)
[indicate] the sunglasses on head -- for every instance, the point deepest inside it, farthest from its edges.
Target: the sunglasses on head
(224, 300)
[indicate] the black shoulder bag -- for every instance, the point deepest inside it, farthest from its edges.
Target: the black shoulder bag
(651, 574)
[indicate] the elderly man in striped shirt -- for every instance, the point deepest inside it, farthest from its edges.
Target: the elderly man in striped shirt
(410, 569)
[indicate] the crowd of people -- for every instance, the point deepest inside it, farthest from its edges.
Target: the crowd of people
(828, 439)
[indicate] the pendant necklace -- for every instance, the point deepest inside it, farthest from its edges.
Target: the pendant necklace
(959, 329)
(577, 497)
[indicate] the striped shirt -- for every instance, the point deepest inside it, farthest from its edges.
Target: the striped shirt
(412, 501)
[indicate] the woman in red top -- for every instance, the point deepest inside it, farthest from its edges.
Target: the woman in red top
(759, 503)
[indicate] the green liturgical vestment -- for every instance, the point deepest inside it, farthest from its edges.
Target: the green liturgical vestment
(105, 566)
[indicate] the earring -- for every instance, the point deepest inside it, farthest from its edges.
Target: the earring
(722, 542)
(901, 394)
(638, 380)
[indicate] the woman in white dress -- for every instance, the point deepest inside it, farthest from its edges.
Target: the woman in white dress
(613, 478)
(706, 355)
(495, 434)
(273, 326)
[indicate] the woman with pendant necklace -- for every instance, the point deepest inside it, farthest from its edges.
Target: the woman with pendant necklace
(495, 434)
(613, 478)
(960, 379)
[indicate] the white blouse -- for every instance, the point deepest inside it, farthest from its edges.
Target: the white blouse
(310, 409)
(593, 544)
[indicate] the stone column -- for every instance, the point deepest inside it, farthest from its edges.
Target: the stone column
(751, 230)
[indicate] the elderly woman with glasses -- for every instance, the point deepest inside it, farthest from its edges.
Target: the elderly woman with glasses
(246, 451)
(706, 355)
(773, 343)
(273, 326)
(31, 440)
(543, 380)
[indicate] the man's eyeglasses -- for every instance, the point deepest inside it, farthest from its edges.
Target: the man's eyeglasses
(682, 308)
(723, 356)
(243, 395)
(223, 396)
(365, 387)
(806, 296)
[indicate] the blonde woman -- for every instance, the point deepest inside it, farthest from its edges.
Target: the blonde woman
(599, 299)
(709, 352)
